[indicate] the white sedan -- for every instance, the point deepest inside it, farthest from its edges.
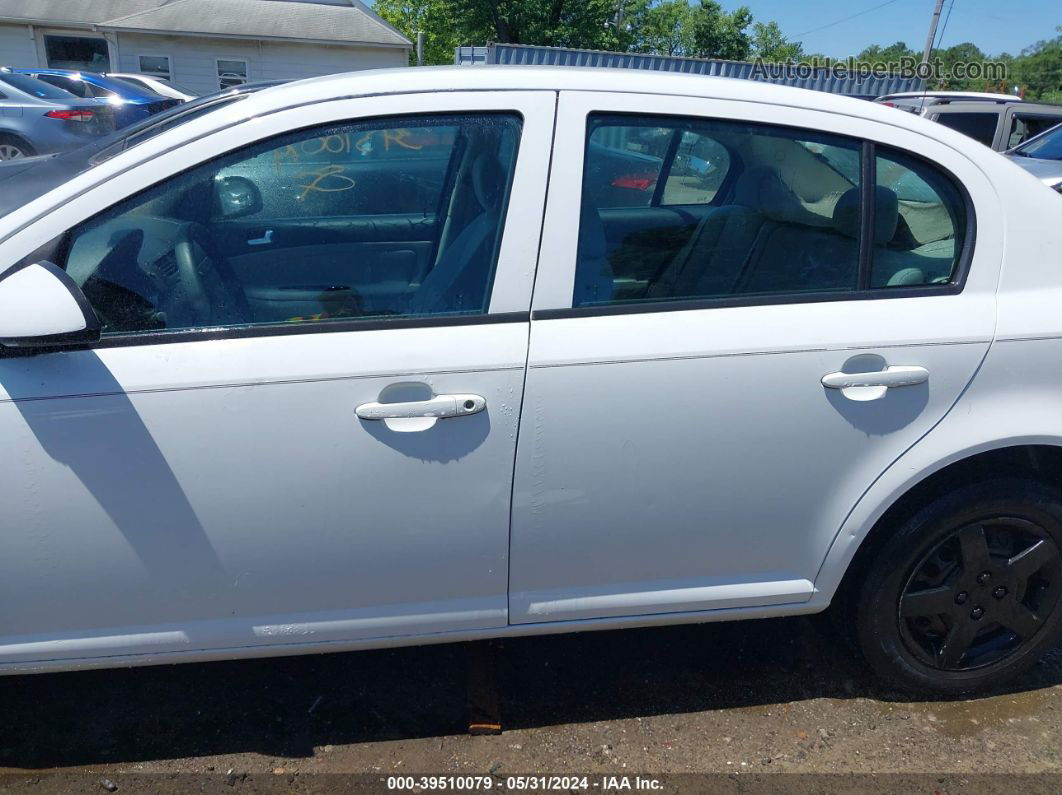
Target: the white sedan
(428, 355)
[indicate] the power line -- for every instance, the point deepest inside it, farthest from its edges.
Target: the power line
(944, 27)
(845, 19)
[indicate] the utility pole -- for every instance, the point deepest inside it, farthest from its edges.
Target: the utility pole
(420, 48)
(932, 33)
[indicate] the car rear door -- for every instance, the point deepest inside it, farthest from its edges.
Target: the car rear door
(698, 447)
(236, 481)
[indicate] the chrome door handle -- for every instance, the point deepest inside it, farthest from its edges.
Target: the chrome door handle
(264, 240)
(439, 407)
(889, 377)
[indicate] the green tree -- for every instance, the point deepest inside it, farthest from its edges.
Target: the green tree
(891, 54)
(770, 44)
(1039, 69)
(716, 33)
(437, 20)
(967, 53)
(590, 24)
(661, 28)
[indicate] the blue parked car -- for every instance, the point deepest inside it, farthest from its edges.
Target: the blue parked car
(37, 118)
(131, 102)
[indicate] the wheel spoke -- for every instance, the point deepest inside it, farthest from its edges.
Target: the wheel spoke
(930, 602)
(1025, 564)
(974, 547)
(1022, 621)
(956, 644)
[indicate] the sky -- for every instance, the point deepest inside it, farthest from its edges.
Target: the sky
(992, 25)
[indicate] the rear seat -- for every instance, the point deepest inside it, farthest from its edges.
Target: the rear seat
(711, 262)
(767, 241)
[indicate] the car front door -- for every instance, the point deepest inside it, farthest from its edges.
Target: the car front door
(304, 440)
(697, 446)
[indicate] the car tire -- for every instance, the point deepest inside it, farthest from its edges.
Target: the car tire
(12, 148)
(966, 593)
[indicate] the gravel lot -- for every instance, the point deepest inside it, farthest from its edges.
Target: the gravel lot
(755, 697)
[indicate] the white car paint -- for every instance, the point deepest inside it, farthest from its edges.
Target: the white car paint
(213, 499)
(163, 88)
(55, 310)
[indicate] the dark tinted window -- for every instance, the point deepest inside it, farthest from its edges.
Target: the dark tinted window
(783, 219)
(33, 87)
(76, 87)
(372, 219)
(97, 91)
(979, 126)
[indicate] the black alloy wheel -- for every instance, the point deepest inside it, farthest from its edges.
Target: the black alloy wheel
(967, 592)
(980, 594)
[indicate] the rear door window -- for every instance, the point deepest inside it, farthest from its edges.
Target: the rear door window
(788, 220)
(783, 216)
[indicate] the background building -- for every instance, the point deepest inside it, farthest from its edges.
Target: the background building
(201, 44)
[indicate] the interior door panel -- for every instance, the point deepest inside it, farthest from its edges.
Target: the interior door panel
(303, 267)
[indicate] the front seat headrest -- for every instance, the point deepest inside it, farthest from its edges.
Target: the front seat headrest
(846, 214)
(767, 193)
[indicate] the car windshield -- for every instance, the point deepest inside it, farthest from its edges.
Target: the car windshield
(1046, 147)
(22, 185)
(34, 87)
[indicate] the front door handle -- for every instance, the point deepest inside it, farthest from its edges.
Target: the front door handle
(874, 385)
(439, 407)
(264, 240)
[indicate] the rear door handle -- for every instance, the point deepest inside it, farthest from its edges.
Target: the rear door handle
(439, 407)
(875, 385)
(889, 377)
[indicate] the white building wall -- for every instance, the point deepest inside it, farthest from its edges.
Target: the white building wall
(193, 60)
(17, 49)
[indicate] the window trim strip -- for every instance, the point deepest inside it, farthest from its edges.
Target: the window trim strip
(867, 214)
(690, 304)
(214, 334)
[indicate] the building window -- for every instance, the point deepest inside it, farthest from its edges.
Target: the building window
(156, 66)
(83, 53)
(231, 73)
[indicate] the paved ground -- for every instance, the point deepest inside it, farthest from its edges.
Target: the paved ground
(761, 696)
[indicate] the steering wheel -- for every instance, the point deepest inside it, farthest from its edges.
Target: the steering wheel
(201, 287)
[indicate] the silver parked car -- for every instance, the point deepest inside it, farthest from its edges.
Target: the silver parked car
(1042, 157)
(37, 118)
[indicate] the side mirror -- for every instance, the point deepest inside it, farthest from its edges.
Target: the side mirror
(41, 306)
(236, 197)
